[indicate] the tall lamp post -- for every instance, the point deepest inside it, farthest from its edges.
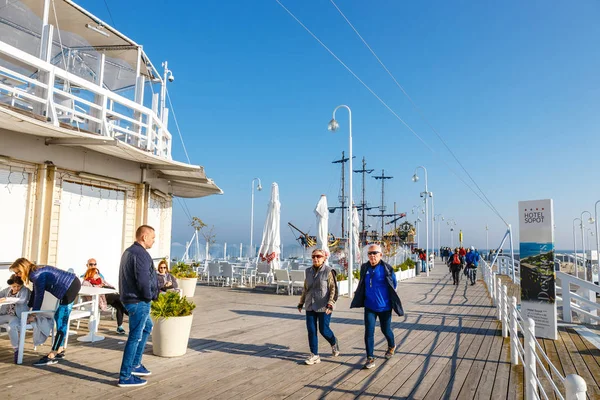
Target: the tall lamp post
(597, 239)
(425, 194)
(451, 223)
(435, 218)
(333, 126)
(575, 246)
(487, 242)
(259, 188)
(591, 221)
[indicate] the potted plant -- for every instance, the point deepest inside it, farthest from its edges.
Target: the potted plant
(186, 277)
(172, 318)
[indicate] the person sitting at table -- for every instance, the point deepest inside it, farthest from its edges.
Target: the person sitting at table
(92, 263)
(61, 284)
(93, 278)
(166, 281)
(11, 313)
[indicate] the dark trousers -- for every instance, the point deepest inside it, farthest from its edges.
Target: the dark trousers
(473, 274)
(385, 323)
(322, 319)
(113, 299)
(455, 274)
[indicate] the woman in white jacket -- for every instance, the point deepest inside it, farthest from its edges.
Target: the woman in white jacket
(13, 301)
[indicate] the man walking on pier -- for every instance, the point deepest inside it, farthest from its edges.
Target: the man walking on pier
(472, 259)
(455, 265)
(376, 292)
(319, 296)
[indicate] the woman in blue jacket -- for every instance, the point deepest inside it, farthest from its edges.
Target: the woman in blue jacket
(61, 284)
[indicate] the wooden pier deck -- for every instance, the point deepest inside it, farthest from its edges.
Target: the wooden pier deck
(248, 344)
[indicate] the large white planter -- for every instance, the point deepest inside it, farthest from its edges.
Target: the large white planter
(343, 287)
(187, 286)
(170, 336)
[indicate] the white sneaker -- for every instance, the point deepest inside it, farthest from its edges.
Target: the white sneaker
(313, 359)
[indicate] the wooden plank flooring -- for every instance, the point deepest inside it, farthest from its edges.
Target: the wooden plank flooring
(249, 344)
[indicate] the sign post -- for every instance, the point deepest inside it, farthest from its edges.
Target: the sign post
(538, 293)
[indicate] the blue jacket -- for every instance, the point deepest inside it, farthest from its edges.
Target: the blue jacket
(472, 257)
(359, 296)
(49, 279)
(137, 277)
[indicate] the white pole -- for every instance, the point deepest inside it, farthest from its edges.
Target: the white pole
(582, 246)
(512, 254)
(575, 248)
(514, 336)
(225, 251)
(597, 239)
(241, 248)
(530, 363)
(350, 202)
(432, 231)
(487, 242)
(251, 253)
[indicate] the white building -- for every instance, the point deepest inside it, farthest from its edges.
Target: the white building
(85, 148)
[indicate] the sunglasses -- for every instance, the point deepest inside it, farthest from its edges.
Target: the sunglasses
(162, 267)
(92, 264)
(372, 253)
(317, 256)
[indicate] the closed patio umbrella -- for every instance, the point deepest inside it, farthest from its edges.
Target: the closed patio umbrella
(322, 213)
(270, 246)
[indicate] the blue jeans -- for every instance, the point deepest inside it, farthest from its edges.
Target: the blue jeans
(140, 326)
(323, 319)
(385, 322)
(423, 266)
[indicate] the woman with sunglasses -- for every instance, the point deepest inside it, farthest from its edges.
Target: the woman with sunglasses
(94, 278)
(61, 284)
(165, 280)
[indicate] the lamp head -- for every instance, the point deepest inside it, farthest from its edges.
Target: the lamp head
(591, 220)
(259, 187)
(333, 125)
(415, 178)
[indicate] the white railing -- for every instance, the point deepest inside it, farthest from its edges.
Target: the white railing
(61, 96)
(530, 353)
(505, 265)
(581, 298)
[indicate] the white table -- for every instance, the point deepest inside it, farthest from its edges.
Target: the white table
(9, 300)
(95, 293)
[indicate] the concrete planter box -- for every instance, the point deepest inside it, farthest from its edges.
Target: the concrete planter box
(403, 275)
(343, 287)
(187, 286)
(170, 336)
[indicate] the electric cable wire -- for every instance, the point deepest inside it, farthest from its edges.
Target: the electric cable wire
(415, 106)
(389, 108)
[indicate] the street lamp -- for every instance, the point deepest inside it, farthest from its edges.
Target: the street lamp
(597, 238)
(451, 223)
(168, 76)
(439, 228)
(575, 246)
(259, 188)
(591, 221)
(333, 126)
(425, 194)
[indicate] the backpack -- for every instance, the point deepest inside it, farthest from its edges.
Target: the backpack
(455, 259)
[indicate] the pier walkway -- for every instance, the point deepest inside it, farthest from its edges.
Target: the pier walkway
(247, 344)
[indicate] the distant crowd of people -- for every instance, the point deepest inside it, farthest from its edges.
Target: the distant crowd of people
(460, 259)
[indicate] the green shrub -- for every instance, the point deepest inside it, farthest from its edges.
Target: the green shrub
(171, 304)
(183, 270)
(342, 277)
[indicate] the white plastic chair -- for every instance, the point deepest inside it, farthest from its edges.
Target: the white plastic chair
(229, 276)
(282, 278)
(214, 272)
(49, 305)
(297, 279)
(263, 270)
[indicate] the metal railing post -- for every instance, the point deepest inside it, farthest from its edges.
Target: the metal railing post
(505, 316)
(499, 297)
(566, 296)
(530, 363)
(514, 335)
(576, 387)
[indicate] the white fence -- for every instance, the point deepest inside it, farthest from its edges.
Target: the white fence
(578, 296)
(529, 353)
(61, 96)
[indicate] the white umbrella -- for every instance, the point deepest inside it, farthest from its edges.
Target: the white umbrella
(270, 246)
(355, 235)
(322, 213)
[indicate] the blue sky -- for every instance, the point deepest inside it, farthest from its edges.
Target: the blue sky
(513, 88)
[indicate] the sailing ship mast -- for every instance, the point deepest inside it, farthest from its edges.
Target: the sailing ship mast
(342, 197)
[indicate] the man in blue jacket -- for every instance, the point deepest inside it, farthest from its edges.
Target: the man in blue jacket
(138, 287)
(472, 259)
(376, 292)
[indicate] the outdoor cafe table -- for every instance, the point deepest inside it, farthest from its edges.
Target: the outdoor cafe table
(95, 292)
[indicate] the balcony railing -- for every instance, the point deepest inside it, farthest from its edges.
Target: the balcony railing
(69, 101)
